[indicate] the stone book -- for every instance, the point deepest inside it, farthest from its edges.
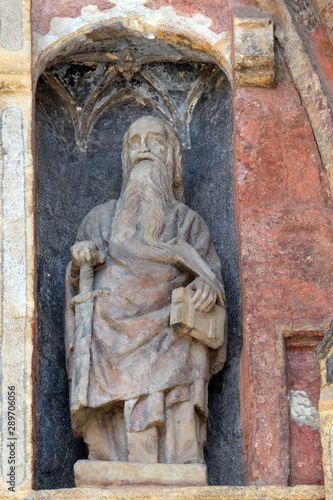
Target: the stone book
(207, 327)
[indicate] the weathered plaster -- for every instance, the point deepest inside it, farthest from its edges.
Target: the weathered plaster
(13, 288)
(307, 81)
(44, 11)
(138, 18)
(303, 380)
(217, 11)
(303, 411)
(11, 24)
(15, 65)
(325, 11)
(285, 231)
(17, 279)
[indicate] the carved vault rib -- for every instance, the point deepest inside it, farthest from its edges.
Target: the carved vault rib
(126, 78)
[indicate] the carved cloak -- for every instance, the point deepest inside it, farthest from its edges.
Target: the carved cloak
(134, 352)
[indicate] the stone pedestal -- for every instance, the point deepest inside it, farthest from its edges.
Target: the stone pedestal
(102, 474)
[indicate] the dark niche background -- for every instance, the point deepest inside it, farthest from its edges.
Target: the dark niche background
(71, 182)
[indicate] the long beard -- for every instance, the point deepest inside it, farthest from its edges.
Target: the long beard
(143, 204)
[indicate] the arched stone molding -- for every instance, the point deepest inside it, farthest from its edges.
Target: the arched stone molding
(187, 38)
(245, 44)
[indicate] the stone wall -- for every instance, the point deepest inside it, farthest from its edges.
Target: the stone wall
(283, 180)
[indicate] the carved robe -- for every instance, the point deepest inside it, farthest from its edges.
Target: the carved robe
(136, 357)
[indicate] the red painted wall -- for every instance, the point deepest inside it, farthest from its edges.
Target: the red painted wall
(43, 11)
(217, 11)
(285, 232)
(305, 445)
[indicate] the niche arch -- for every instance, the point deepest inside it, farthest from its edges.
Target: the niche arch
(193, 41)
(93, 85)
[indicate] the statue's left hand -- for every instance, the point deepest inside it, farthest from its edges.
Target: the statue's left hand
(205, 295)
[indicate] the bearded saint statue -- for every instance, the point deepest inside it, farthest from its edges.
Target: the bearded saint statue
(144, 396)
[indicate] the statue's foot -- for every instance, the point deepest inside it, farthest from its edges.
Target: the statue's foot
(190, 460)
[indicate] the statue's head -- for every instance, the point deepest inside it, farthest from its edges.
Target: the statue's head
(152, 140)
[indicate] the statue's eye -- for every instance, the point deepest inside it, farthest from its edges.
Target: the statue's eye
(134, 145)
(155, 142)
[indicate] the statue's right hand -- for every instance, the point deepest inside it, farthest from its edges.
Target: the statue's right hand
(86, 252)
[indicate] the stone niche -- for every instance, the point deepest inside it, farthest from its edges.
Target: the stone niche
(85, 102)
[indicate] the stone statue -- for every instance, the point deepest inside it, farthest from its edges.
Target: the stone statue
(138, 385)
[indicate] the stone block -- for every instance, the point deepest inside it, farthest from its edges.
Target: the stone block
(97, 474)
(253, 47)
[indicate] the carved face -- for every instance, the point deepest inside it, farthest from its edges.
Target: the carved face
(147, 140)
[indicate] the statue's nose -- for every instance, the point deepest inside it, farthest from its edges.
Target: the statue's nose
(144, 147)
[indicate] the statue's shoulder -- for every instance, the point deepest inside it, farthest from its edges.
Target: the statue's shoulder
(99, 212)
(97, 221)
